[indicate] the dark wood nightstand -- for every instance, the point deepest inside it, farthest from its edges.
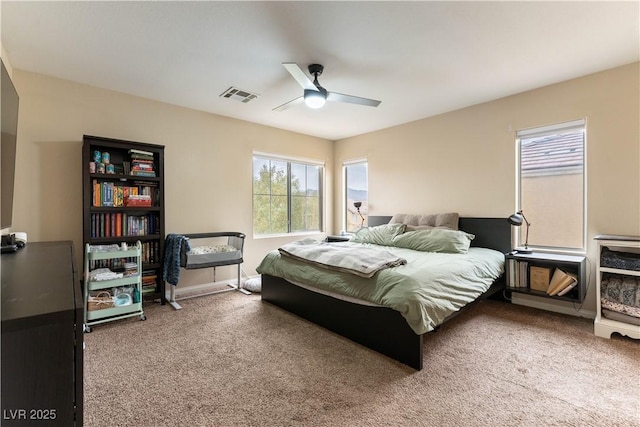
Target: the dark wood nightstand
(337, 238)
(519, 268)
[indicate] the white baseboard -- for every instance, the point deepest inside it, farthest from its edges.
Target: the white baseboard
(565, 308)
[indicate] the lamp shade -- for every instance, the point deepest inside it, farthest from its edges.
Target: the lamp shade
(314, 98)
(515, 219)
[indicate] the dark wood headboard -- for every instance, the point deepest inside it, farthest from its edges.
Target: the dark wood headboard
(493, 233)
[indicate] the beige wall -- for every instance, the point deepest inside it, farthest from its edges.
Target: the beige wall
(460, 161)
(7, 62)
(464, 160)
(208, 162)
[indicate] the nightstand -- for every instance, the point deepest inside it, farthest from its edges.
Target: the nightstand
(522, 268)
(337, 238)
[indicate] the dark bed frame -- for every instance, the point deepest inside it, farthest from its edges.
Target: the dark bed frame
(380, 328)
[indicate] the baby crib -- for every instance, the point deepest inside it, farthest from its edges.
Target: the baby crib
(194, 251)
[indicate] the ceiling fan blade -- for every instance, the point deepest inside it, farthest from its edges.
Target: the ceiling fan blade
(340, 97)
(299, 75)
(289, 104)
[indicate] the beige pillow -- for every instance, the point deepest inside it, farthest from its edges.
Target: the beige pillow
(445, 220)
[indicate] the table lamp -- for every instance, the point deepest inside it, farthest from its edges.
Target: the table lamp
(517, 219)
(357, 206)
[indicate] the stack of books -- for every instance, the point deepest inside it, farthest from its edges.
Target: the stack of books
(561, 283)
(149, 282)
(142, 163)
(137, 200)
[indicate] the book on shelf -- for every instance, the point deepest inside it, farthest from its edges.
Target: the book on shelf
(151, 174)
(518, 275)
(568, 288)
(119, 224)
(140, 152)
(141, 158)
(110, 194)
(147, 186)
(561, 282)
(539, 278)
(142, 165)
(523, 277)
(138, 200)
(511, 267)
(147, 162)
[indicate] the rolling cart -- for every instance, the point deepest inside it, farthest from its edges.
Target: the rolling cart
(112, 283)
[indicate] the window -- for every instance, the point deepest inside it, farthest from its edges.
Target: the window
(552, 185)
(356, 195)
(287, 196)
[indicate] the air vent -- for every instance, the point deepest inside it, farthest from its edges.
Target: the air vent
(239, 94)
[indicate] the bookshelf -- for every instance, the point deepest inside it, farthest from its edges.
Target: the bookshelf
(123, 202)
(524, 273)
(626, 269)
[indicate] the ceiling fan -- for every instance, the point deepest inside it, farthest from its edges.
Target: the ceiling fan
(314, 94)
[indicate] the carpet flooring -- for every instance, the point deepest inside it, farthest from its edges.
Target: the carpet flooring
(233, 360)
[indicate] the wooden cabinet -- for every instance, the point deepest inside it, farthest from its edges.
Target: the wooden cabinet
(42, 339)
(123, 202)
(520, 267)
(618, 266)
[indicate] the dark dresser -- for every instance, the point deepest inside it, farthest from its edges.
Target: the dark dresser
(42, 337)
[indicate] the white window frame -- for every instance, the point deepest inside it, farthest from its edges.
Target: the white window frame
(299, 161)
(345, 195)
(541, 131)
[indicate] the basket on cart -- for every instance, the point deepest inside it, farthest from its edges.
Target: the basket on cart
(101, 301)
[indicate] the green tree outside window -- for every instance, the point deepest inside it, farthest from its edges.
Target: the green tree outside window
(286, 196)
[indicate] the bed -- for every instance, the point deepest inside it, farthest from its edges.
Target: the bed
(375, 326)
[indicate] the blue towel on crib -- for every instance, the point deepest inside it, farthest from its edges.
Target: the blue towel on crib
(171, 266)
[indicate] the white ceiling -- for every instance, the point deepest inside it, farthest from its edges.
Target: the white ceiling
(419, 58)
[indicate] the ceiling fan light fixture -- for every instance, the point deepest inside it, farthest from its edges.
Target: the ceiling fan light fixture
(314, 98)
(315, 95)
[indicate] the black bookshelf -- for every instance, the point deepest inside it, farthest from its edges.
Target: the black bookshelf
(518, 273)
(110, 213)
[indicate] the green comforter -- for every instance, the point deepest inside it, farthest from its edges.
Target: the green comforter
(426, 290)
